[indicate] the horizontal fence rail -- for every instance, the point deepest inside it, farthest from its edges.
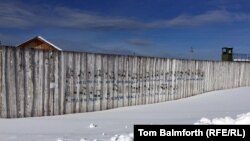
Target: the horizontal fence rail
(41, 83)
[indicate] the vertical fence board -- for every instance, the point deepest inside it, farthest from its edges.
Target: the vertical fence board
(46, 84)
(110, 81)
(20, 82)
(83, 83)
(10, 84)
(3, 86)
(157, 73)
(38, 82)
(68, 83)
(115, 84)
(98, 77)
(76, 82)
(28, 82)
(126, 79)
(52, 83)
(133, 79)
(104, 84)
(130, 66)
(142, 80)
(139, 76)
(122, 81)
(162, 79)
(91, 84)
(61, 82)
(148, 79)
(56, 84)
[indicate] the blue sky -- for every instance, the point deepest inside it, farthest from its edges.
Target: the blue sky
(165, 28)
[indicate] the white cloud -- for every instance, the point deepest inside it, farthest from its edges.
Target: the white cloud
(19, 16)
(15, 16)
(210, 17)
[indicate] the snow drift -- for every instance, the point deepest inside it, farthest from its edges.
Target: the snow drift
(241, 119)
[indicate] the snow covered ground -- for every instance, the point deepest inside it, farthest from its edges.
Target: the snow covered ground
(117, 124)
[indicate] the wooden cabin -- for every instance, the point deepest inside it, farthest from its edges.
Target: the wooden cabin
(39, 43)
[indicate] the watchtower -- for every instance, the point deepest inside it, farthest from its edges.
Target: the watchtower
(227, 54)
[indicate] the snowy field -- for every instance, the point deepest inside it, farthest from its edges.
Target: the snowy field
(117, 124)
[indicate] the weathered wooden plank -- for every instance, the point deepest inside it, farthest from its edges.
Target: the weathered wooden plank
(153, 89)
(151, 83)
(139, 81)
(184, 77)
(148, 80)
(98, 72)
(115, 84)
(104, 84)
(164, 81)
(200, 82)
(61, 82)
(192, 77)
(167, 78)
(40, 86)
(91, 84)
(120, 94)
(175, 72)
(180, 79)
(83, 83)
(69, 83)
(10, 83)
(130, 66)
(46, 84)
(28, 82)
(188, 76)
(55, 84)
(67, 102)
(190, 72)
(193, 69)
(3, 86)
(195, 81)
(161, 80)
(134, 79)
(173, 85)
(126, 79)
(207, 77)
(157, 81)
(38, 82)
(183, 80)
(20, 81)
(143, 79)
(76, 82)
(110, 81)
(51, 94)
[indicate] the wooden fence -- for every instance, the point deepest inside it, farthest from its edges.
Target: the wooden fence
(41, 83)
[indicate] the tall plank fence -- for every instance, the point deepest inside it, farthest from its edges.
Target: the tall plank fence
(41, 83)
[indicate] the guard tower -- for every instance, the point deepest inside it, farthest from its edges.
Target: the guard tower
(227, 54)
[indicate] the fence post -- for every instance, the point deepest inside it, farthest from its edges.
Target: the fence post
(1, 73)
